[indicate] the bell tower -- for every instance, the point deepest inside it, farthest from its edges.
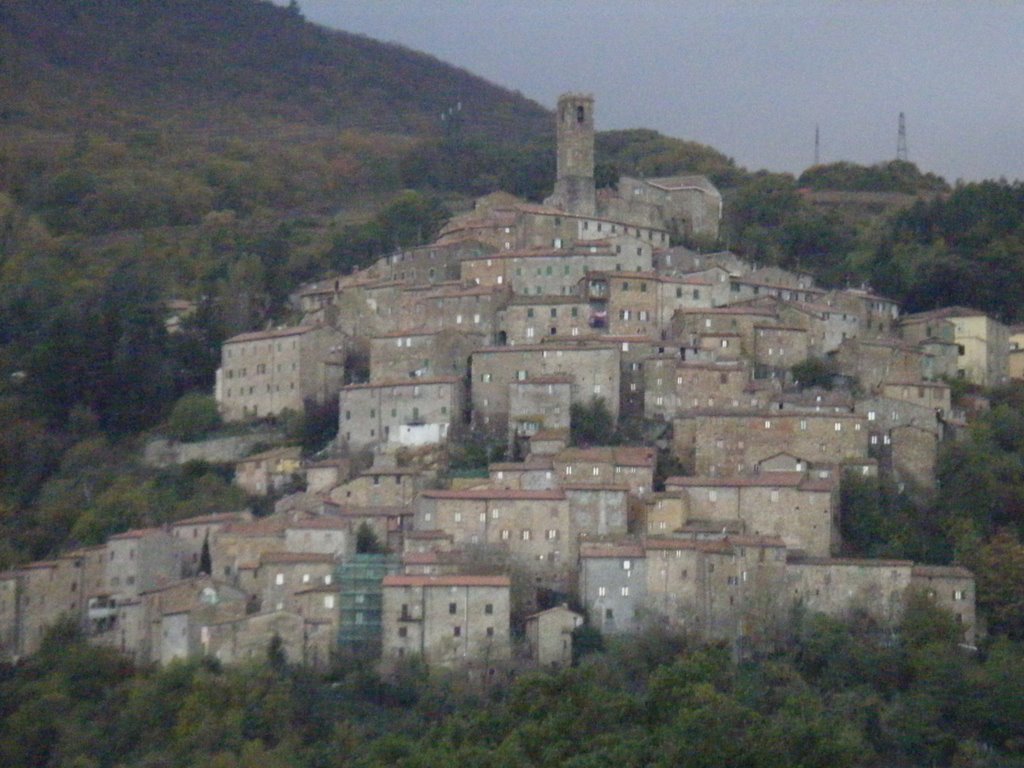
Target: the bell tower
(574, 186)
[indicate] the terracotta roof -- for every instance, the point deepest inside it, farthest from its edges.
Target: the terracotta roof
(729, 310)
(945, 313)
(543, 380)
(138, 533)
(397, 580)
(483, 494)
(410, 382)
(555, 609)
(219, 517)
(325, 523)
(767, 479)
(550, 434)
(596, 487)
(941, 572)
(532, 464)
(275, 333)
(267, 526)
(716, 546)
(429, 535)
(373, 511)
(295, 557)
(755, 541)
(611, 550)
(545, 347)
(627, 456)
(849, 561)
(287, 451)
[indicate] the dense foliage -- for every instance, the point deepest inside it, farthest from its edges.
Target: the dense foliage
(894, 176)
(836, 695)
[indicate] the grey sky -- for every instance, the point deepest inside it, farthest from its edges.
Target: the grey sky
(750, 79)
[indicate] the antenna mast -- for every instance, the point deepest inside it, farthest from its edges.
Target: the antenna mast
(817, 144)
(901, 140)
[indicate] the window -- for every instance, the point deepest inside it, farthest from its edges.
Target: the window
(627, 564)
(328, 601)
(279, 579)
(526, 534)
(490, 631)
(625, 591)
(403, 631)
(552, 534)
(505, 534)
(838, 426)
(712, 495)
(452, 608)
(601, 592)
(457, 631)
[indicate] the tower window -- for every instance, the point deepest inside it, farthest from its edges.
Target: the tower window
(579, 114)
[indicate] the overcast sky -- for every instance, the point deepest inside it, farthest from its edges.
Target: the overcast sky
(750, 79)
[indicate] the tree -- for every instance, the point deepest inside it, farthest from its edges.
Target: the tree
(194, 416)
(591, 424)
(205, 561)
(367, 541)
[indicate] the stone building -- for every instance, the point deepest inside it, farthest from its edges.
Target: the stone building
(141, 560)
(268, 372)
(688, 205)
(322, 476)
(536, 404)
(844, 587)
(10, 599)
(535, 473)
(594, 369)
(269, 471)
(673, 387)
(801, 510)
(421, 353)
(540, 529)
(323, 535)
(174, 615)
(613, 586)
(952, 588)
(383, 486)
(574, 183)
(282, 575)
(193, 532)
(983, 344)
(448, 621)
(631, 466)
(722, 443)
(527, 319)
(873, 362)
(549, 636)
(400, 412)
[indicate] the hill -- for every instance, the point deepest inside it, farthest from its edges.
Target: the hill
(237, 68)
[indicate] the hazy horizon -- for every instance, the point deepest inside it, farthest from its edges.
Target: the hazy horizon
(751, 80)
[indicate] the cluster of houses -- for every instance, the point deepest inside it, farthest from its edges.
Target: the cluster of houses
(515, 315)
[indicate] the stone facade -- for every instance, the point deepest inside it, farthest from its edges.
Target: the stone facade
(549, 636)
(269, 372)
(726, 443)
(447, 621)
(401, 412)
(268, 471)
(801, 510)
(594, 368)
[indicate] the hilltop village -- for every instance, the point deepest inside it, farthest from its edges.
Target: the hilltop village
(519, 319)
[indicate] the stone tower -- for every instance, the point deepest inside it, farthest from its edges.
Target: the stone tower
(574, 186)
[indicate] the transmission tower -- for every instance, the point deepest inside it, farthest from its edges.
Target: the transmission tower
(817, 144)
(901, 140)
